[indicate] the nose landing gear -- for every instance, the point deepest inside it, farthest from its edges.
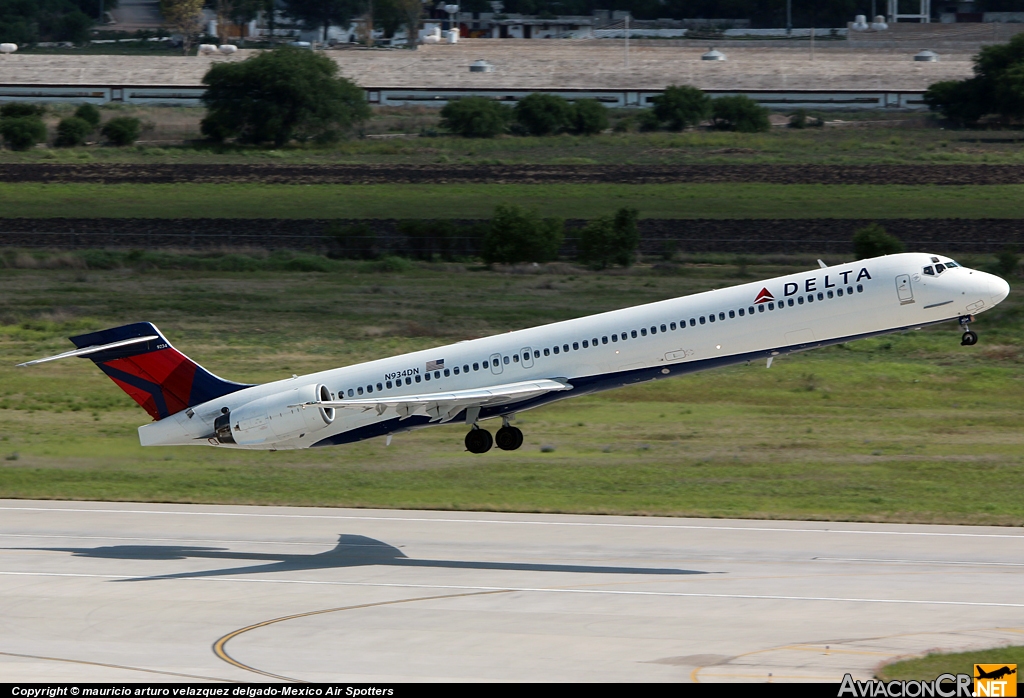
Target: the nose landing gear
(969, 338)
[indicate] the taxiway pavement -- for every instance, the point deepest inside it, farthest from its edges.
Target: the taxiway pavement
(94, 591)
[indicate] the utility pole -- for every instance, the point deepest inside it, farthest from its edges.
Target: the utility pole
(627, 41)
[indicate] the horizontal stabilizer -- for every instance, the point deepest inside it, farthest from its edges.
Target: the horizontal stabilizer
(443, 407)
(91, 350)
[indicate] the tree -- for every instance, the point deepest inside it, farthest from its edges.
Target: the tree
(543, 114)
(996, 88)
(588, 117)
(88, 113)
(236, 12)
(281, 95)
(873, 241)
(412, 12)
(610, 240)
(681, 106)
(72, 131)
(323, 13)
(122, 131)
(518, 236)
(184, 17)
(22, 132)
(476, 117)
(739, 113)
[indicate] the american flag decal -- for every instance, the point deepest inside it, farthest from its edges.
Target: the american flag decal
(435, 365)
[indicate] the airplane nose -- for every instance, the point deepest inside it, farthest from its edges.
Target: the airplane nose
(998, 288)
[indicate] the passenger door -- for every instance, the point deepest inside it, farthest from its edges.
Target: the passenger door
(526, 357)
(904, 290)
(496, 364)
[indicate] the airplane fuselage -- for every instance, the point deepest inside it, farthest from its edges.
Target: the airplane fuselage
(758, 320)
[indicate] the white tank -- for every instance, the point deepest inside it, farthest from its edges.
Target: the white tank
(713, 55)
(206, 50)
(227, 49)
(8, 48)
(453, 35)
(878, 24)
(860, 23)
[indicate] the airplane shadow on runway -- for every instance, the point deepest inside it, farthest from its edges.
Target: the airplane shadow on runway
(351, 551)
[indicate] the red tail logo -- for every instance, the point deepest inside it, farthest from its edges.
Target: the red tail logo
(764, 296)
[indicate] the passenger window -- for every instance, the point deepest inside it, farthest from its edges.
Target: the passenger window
(821, 296)
(359, 390)
(711, 317)
(760, 308)
(515, 358)
(604, 340)
(547, 352)
(732, 313)
(790, 302)
(448, 373)
(592, 341)
(476, 367)
(860, 288)
(654, 329)
(665, 329)
(350, 392)
(369, 388)
(849, 290)
(771, 306)
(504, 360)
(810, 297)
(417, 379)
(408, 381)
(800, 300)
(750, 310)
(388, 384)
(615, 337)
(672, 326)
(380, 387)
(585, 344)
(624, 336)
(702, 319)
(465, 368)
(742, 312)
(643, 332)
(437, 374)
(565, 347)
(555, 350)
(575, 346)
(536, 353)
(839, 292)
(633, 334)
(426, 375)
(830, 294)
(693, 322)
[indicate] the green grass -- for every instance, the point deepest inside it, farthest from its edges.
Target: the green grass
(929, 667)
(478, 200)
(902, 428)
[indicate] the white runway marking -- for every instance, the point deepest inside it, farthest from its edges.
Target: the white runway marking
(612, 592)
(519, 522)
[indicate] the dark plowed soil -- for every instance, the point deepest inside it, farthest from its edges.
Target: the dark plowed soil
(731, 236)
(514, 174)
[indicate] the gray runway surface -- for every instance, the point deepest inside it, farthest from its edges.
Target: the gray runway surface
(151, 592)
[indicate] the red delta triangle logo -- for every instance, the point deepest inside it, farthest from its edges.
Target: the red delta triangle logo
(764, 296)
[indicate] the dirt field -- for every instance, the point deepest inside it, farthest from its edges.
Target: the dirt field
(114, 173)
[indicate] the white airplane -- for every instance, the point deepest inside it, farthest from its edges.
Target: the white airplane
(499, 376)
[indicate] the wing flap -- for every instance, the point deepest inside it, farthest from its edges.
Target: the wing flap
(443, 407)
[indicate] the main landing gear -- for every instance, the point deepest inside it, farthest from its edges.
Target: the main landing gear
(508, 438)
(970, 338)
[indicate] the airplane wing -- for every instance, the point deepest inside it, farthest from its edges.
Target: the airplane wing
(443, 407)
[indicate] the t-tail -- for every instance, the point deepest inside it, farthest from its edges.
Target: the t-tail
(145, 365)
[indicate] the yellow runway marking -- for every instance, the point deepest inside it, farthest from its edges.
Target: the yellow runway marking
(221, 652)
(115, 666)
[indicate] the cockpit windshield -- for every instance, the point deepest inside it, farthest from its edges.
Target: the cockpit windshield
(939, 267)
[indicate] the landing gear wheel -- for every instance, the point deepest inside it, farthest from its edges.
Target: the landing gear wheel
(479, 441)
(969, 339)
(508, 438)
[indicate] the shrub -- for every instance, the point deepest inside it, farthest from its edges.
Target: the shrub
(681, 106)
(22, 132)
(996, 88)
(89, 114)
(800, 119)
(961, 101)
(15, 110)
(873, 241)
(542, 114)
(1007, 262)
(588, 117)
(123, 130)
(648, 121)
(357, 241)
(281, 95)
(739, 113)
(442, 239)
(476, 117)
(72, 131)
(517, 236)
(609, 240)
